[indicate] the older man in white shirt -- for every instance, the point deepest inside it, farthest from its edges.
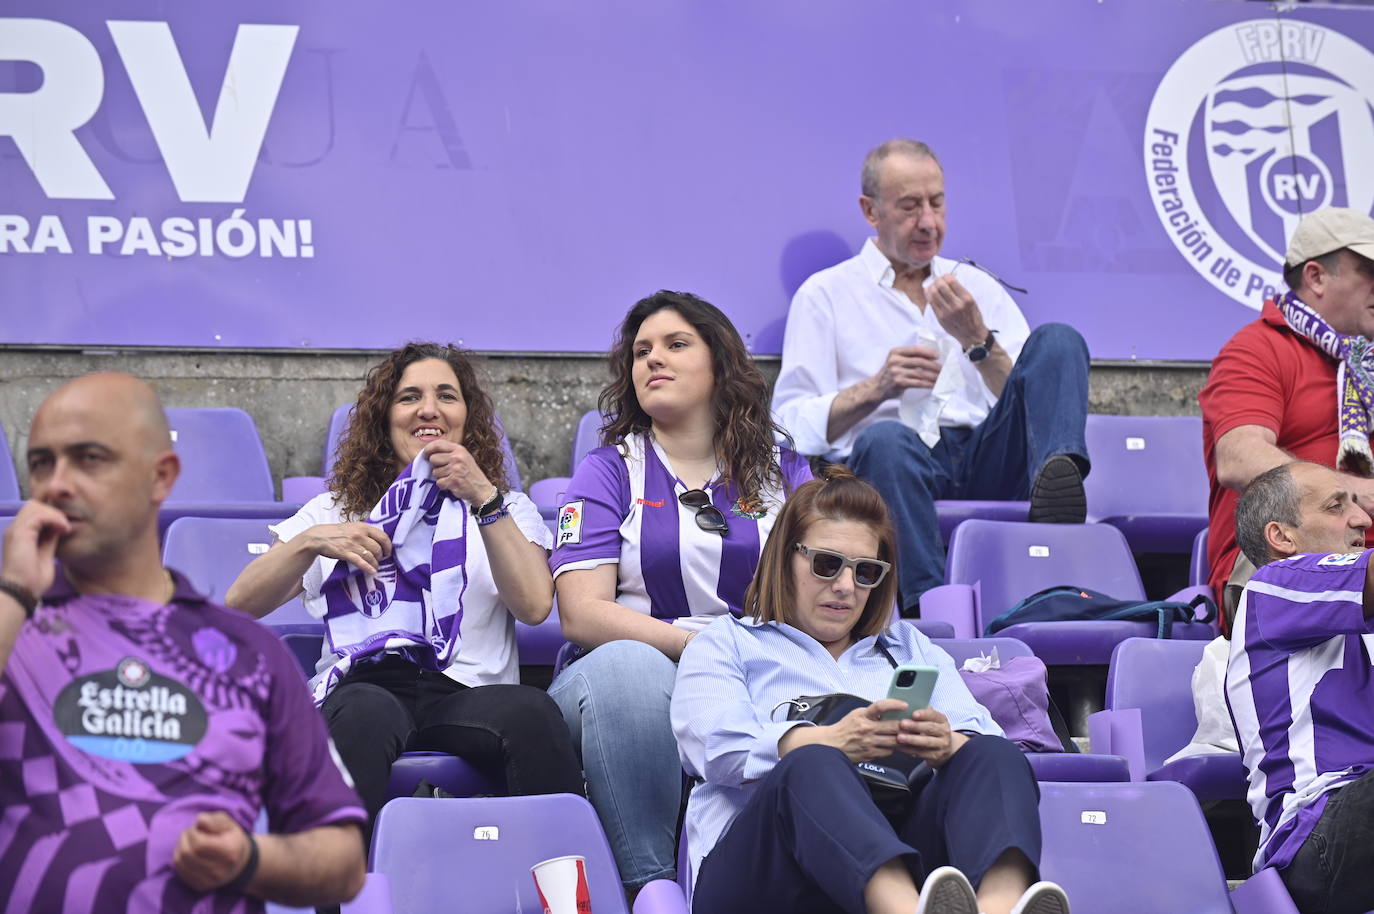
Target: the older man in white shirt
(921, 373)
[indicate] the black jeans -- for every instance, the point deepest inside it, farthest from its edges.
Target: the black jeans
(810, 838)
(383, 709)
(1333, 871)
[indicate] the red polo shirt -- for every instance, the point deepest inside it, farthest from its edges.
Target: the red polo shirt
(1265, 375)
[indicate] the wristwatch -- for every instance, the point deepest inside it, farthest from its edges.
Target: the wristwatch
(979, 351)
(491, 506)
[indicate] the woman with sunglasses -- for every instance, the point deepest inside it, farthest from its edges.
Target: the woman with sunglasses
(780, 818)
(659, 535)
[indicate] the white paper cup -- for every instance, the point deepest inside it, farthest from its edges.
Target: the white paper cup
(562, 885)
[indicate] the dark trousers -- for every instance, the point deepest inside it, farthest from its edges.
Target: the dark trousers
(1040, 414)
(392, 706)
(1333, 871)
(810, 838)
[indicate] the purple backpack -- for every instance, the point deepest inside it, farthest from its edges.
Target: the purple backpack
(1018, 698)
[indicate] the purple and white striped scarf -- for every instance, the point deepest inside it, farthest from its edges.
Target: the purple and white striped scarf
(414, 603)
(1354, 357)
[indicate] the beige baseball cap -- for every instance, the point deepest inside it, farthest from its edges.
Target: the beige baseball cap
(1329, 230)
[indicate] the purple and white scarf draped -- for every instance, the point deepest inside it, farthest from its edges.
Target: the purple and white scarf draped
(414, 603)
(1354, 357)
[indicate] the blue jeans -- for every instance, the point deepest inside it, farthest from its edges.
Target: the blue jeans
(615, 700)
(1040, 414)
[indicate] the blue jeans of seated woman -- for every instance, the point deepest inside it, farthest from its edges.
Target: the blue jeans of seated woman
(1041, 413)
(615, 700)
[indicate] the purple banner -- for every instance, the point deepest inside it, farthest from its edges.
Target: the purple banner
(514, 175)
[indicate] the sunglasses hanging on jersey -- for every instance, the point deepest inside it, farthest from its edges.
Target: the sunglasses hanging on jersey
(709, 517)
(827, 566)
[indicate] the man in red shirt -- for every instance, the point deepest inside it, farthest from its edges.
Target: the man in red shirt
(1296, 384)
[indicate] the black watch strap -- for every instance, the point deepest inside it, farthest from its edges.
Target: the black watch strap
(979, 351)
(21, 594)
(491, 506)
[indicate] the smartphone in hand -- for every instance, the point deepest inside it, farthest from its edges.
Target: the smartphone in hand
(912, 684)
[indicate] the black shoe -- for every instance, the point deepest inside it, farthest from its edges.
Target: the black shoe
(1057, 496)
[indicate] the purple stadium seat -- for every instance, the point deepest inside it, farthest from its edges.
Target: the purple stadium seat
(952, 512)
(1198, 570)
(538, 645)
(11, 500)
(547, 494)
(1048, 766)
(458, 777)
(1263, 893)
(993, 565)
(1148, 479)
(1150, 716)
(482, 848)
(224, 469)
(375, 898)
(1135, 848)
(213, 551)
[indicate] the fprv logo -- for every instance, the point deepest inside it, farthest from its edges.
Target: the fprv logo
(1252, 127)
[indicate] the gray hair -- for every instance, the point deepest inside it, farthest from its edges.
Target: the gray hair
(1271, 496)
(868, 175)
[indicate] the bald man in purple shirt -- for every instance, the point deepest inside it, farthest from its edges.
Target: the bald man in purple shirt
(142, 728)
(1300, 683)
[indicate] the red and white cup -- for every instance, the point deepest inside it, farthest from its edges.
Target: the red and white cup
(562, 885)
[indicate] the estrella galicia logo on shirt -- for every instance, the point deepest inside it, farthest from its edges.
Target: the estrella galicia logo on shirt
(570, 522)
(130, 714)
(1253, 126)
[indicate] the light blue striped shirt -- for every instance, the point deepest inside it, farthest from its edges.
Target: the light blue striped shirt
(734, 673)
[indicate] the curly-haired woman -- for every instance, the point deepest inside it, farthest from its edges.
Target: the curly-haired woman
(660, 535)
(452, 689)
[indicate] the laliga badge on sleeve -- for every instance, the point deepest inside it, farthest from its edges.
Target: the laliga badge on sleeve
(570, 523)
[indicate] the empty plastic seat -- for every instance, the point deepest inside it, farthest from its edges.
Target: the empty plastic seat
(993, 565)
(547, 494)
(213, 551)
(1150, 715)
(1148, 479)
(1198, 570)
(1141, 848)
(482, 848)
(11, 500)
(224, 469)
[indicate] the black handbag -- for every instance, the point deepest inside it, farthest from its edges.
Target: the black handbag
(892, 779)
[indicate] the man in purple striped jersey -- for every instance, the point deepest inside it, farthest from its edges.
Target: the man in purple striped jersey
(143, 728)
(1300, 683)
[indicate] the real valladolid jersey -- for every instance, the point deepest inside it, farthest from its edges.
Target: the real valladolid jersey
(120, 721)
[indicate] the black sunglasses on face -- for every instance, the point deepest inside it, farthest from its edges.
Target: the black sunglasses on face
(709, 517)
(827, 566)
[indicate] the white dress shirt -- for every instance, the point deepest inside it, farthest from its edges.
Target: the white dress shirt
(843, 321)
(732, 675)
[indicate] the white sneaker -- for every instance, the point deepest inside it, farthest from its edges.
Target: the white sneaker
(1042, 898)
(947, 891)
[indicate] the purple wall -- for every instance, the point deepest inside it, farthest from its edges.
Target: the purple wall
(515, 174)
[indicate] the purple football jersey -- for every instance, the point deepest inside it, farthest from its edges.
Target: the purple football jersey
(1299, 687)
(624, 509)
(121, 721)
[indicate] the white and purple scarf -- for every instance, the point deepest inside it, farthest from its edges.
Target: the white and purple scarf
(1354, 357)
(414, 603)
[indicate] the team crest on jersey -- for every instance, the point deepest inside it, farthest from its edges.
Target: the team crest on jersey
(750, 509)
(130, 714)
(570, 522)
(1340, 558)
(1252, 127)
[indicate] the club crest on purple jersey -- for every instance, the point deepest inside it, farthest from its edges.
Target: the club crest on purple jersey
(214, 649)
(131, 714)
